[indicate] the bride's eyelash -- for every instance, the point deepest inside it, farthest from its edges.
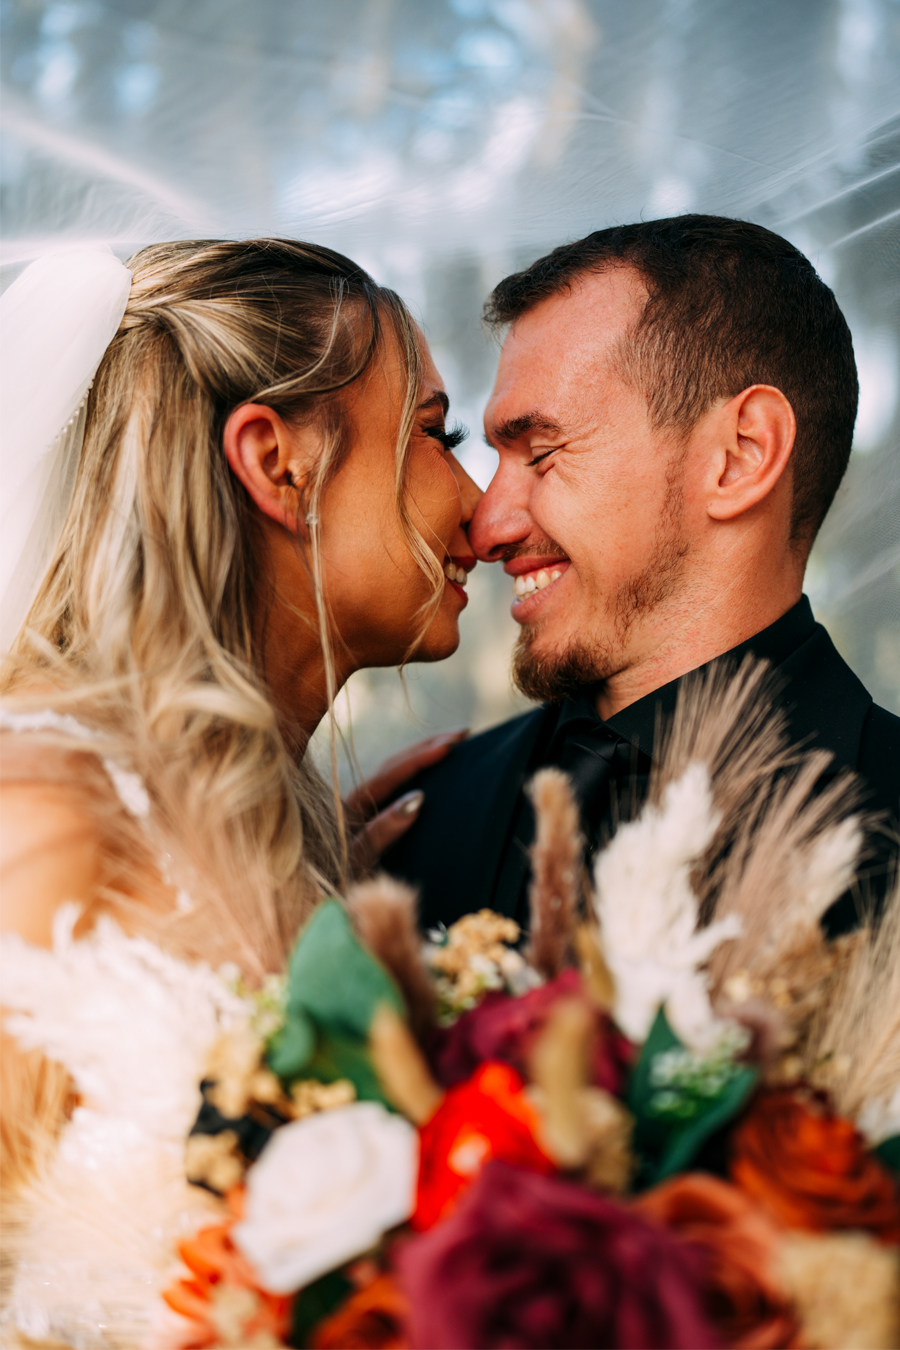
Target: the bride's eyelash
(451, 438)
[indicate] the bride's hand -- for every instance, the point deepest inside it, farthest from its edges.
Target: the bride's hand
(371, 830)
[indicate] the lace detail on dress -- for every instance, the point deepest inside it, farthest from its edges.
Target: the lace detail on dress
(129, 786)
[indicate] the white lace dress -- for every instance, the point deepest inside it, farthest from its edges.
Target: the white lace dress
(94, 1237)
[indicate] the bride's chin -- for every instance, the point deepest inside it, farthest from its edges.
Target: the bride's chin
(441, 641)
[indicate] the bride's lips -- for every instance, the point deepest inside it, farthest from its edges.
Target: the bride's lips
(456, 570)
(534, 577)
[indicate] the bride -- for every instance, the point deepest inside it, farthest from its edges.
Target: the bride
(263, 500)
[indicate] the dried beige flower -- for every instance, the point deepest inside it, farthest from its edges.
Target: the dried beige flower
(611, 1164)
(233, 1064)
(232, 1309)
(309, 1096)
(846, 1290)
(213, 1160)
(476, 956)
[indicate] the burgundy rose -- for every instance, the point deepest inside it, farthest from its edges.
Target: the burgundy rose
(530, 1260)
(504, 1028)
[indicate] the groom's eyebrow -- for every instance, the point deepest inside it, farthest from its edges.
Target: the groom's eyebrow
(516, 427)
(437, 400)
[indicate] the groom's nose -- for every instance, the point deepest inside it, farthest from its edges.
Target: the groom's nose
(502, 517)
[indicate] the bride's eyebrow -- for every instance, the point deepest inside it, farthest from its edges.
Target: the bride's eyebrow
(437, 400)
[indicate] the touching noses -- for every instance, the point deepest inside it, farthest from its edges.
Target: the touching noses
(501, 518)
(470, 494)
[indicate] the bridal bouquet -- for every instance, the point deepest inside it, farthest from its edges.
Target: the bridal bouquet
(671, 1118)
(643, 1131)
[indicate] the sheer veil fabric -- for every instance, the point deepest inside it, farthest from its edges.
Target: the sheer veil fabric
(56, 321)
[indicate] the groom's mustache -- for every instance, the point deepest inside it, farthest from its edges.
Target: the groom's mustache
(540, 548)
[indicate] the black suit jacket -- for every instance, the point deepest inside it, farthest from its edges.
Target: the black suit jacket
(456, 852)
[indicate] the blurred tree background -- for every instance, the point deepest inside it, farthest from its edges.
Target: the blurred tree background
(443, 143)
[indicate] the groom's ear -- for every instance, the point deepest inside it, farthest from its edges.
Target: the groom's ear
(270, 458)
(753, 434)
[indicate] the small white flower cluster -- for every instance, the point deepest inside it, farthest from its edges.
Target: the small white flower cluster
(267, 1002)
(683, 1080)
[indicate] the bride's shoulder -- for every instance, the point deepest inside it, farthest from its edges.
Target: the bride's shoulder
(53, 795)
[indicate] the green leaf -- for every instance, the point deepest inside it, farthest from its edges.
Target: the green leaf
(641, 1089)
(316, 1302)
(292, 1046)
(889, 1152)
(666, 1143)
(346, 1057)
(334, 980)
(684, 1144)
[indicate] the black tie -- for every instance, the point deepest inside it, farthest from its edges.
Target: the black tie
(608, 774)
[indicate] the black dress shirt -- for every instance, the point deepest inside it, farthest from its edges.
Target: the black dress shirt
(469, 847)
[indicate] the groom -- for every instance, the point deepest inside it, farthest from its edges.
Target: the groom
(673, 414)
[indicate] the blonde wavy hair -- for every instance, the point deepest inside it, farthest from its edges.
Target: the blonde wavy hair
(147, 624)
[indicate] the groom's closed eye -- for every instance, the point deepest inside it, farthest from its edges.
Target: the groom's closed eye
(514, 429)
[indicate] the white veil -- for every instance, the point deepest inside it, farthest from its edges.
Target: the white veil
(56, 321)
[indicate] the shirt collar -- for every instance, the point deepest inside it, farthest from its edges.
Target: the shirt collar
(638, 722)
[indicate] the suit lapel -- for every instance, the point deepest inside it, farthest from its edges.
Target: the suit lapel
(489, 774)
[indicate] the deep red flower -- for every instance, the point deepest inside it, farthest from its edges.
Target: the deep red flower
(504, 1028)
(487, 1117)
(528, 1260)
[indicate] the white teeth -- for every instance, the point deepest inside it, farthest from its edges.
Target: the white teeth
(454, 573)
(534, 581)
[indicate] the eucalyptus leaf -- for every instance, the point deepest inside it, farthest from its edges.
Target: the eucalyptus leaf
(334, 980)
(346, 1057)
(292, 1046)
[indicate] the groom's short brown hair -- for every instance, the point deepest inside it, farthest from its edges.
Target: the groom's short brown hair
(730, 304)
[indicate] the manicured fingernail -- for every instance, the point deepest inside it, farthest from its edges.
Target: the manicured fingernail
(409, 803)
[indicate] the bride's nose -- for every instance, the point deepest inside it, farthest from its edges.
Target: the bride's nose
(470, 494)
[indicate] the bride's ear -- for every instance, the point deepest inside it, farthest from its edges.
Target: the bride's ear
(269, 458)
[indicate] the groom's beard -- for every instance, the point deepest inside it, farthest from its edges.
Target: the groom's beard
(552, 677)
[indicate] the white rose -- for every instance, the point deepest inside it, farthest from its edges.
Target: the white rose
(324, 1190)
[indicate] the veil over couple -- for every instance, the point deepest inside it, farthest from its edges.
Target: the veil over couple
(264, 499)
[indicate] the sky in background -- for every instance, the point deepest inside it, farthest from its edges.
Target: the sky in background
(443, 143)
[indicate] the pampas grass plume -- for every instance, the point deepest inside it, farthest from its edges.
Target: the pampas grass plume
(556, 872)
(384, 914)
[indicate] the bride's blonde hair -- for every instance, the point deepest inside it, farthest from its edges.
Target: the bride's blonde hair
(147, 624)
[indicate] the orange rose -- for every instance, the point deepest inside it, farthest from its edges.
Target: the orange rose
(810, 1168)
(372, 1319)
(739, 1241)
